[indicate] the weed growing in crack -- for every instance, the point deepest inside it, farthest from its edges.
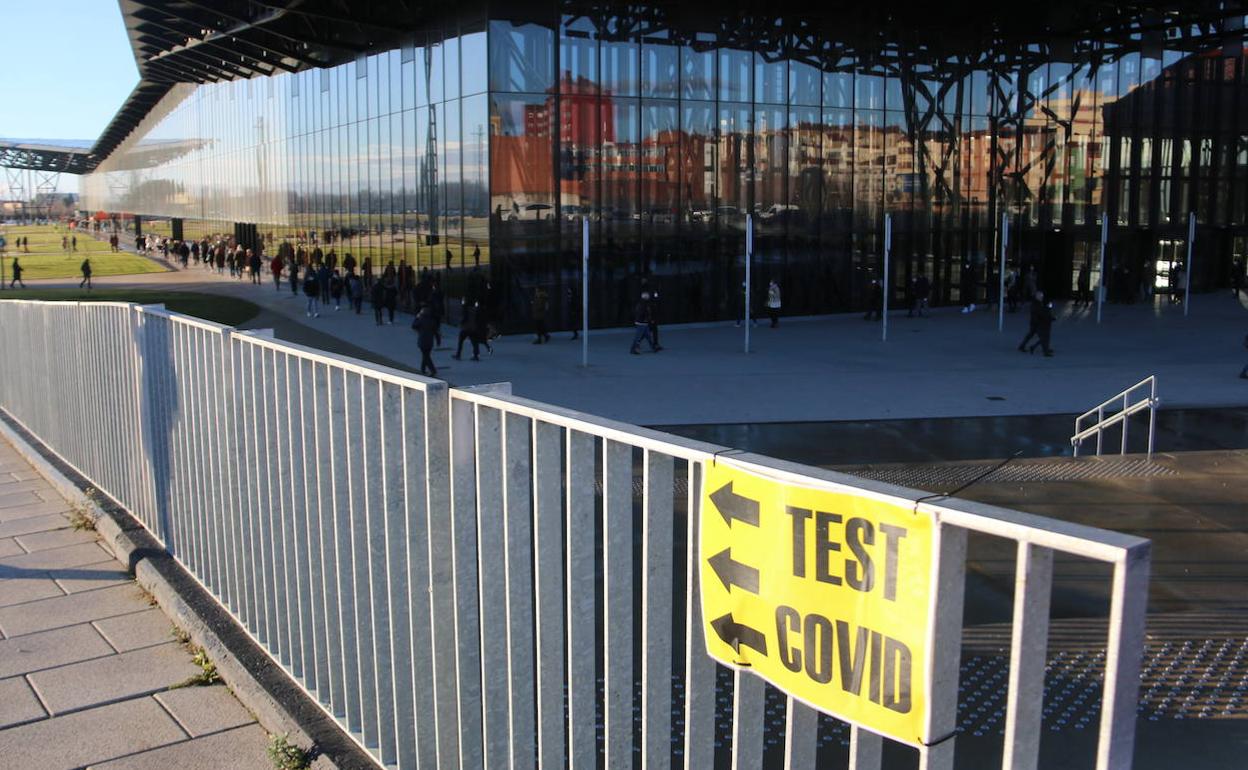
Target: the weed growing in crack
(207, 671)
(286, 755)
(83, 515)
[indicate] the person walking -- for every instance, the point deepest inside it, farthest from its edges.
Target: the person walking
(424, 324)
(642, 315)
(275, 266)
(541, 305)
(390, 293)
(294, 277)
(773, 302)
(378, 299)
(355, 290)
(1237, 276)
(254, 264)
(335, 290)
(86, 274)
(1040, 326)
(322, 281)
(875, 301)
(312, 290)
(17, 275)
(470, 330)
(920, 293)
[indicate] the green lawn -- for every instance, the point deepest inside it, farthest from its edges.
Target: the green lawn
(48, 260)
(210, 307)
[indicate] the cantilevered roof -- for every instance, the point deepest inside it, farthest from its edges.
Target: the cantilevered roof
(73, 156)
(201, 41)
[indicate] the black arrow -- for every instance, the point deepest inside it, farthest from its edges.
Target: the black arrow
(733, 506)
(732, 572)
(735, 634)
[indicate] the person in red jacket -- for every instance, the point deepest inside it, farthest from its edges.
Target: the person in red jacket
(276, 266)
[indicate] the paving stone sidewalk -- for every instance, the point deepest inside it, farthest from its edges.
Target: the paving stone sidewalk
(89, 668)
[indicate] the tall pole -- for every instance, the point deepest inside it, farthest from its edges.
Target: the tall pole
(1005, 239)
(1100, 284)
(1191, 240)
(749, 257)
(884, 285)
(585, 291)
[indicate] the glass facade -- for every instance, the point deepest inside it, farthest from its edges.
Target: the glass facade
(491, 143)
(385, 157)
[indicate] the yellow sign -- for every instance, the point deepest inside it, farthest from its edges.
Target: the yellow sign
(824, 594)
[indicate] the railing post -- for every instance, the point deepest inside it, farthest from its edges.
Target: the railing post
(1124, 650)
(1100, 430)
(1126, 418)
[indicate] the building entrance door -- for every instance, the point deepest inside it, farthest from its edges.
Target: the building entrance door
(1168, 261)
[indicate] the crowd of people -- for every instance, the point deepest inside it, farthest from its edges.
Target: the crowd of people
(323, 280)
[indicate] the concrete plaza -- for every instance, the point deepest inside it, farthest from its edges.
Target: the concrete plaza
(810, 369)
(88, 666)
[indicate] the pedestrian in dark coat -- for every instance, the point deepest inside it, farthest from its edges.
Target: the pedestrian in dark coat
(1040, 327)
(335, 290)
(541, 304)
(17, 275)
(355, 288)
(424, 324)
(920, 292)
(391, 293)
(875, 301)
(378, 299)
(86, 274)
(470, 330)
(312, 289)
(642, 316)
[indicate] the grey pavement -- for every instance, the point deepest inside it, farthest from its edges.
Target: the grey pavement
(88, 667)
(814, 369)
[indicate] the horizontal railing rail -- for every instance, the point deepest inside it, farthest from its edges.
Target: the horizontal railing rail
(1130, 407)
(465, 578)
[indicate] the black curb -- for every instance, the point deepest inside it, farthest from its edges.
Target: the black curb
(260, 684)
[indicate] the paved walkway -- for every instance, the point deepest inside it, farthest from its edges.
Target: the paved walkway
(827, 368)
(88, 666)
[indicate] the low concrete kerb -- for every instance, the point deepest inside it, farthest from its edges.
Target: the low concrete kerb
(249, 673)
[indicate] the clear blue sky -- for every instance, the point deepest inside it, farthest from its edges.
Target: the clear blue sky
(66, 66)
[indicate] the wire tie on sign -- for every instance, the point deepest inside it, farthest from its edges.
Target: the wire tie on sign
(939, 741)
(715, 456)
(973, 481)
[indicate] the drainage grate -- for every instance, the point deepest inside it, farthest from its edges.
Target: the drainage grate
(926, 476)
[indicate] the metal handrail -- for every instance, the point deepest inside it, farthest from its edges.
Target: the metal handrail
(1128, 409)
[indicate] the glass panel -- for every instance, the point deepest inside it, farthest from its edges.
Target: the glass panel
(521, 168)
(660, 69)
(804, 83)
(521, 57)
(697, 69)
(578, 55)
(620, 67)
(473, 62)
(771, 80)
(735, 70)
(476, 121)
(450, 64)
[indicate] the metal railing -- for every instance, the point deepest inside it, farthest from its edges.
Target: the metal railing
(1131, 404)
(452, 574)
